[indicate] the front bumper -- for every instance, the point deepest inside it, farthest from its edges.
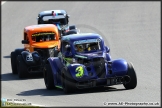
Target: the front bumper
(103, 82)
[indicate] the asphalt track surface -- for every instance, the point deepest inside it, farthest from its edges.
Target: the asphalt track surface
(131, 29)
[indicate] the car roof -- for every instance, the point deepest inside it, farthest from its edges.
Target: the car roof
(50, 11)
(81, 36)
(41, 28)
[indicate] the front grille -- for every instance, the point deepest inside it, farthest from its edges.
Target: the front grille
(99, 66)
(83, 61)
(45, 52)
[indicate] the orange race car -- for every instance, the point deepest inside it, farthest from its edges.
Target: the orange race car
(40, 42)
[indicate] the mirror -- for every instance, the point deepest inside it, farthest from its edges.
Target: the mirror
(68, 16)
(107, 49)
(25, 42)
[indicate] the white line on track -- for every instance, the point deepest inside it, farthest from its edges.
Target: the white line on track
(3, 2)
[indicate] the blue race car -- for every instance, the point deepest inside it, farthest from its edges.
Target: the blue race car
(84, 62)
(60, 18)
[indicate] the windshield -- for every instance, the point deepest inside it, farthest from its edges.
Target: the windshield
(55, 20)
(86, 46)
(43, 36)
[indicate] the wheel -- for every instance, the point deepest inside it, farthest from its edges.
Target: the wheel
(48, 77)
(68, 83)
(133, 82)
(13, 62)
(21, 67)
(39, 21)
(72, 27)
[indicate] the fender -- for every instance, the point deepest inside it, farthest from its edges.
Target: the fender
(19, 50)
(56, 67)
(78, 72)
(108, 57)
(119, 67)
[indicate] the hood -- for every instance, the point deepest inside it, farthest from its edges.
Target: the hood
(49, 44)
(90, 55)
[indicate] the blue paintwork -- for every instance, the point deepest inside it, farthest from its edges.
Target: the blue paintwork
(119, 66)
(58, 26)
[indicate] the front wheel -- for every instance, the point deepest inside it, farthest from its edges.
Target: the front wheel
(22, 67)
(13, 62)
(48, 77)
(133, 81)
(72, 27)
(68, 83)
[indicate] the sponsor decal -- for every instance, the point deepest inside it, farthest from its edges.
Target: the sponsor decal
(86, 41)
(80, 56)
(40, 34)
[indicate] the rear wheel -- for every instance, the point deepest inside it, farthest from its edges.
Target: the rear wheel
(72, 27)
(39, 21)
(48, 77)
(13, 62)
(133, 82)
(22, 67)
(68, 82)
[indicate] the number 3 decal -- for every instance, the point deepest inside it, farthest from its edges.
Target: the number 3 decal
(80, 71)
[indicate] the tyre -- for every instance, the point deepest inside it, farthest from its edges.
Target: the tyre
(133, 82)
(39, 21)
(72, 27)
(21, 67)
(68, 83)
(13, 62)
(48, 77)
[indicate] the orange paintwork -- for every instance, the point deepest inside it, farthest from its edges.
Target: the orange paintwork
(29, 30)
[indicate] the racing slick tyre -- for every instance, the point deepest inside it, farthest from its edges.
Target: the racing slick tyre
(39, 21)
(21, 67)
(48, 77)
(13, 62)
(72, 27)
(133, 79)
(68, 83)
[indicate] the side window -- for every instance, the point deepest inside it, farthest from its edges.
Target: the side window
(63, 46)
(25, 36)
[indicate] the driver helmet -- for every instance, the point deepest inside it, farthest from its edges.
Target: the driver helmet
(88, 48)
(80, 48)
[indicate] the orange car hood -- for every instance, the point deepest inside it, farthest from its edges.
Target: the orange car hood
(48, 44)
